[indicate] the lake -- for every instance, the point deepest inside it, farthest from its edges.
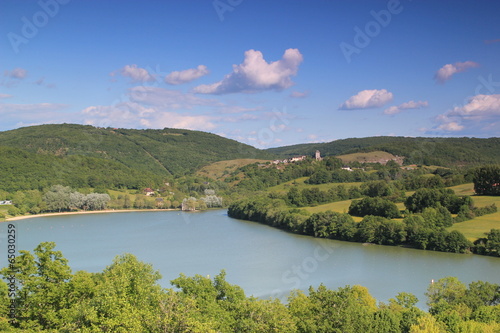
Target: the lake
(262, 260)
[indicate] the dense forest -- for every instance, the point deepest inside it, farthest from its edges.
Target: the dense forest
(162, 152)
(126, 297)
(428, 151)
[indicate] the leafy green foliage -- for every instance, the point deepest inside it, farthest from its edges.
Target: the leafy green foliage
(426, 151)
(424, 198)
(21, 170)
(487, 180)
(161, 152)
(126, 297)
(374, 206)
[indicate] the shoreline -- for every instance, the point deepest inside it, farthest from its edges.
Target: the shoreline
(23, 217)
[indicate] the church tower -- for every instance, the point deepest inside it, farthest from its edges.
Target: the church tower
(318, 156)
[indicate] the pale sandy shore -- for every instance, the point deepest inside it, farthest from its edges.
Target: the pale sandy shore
(16, 218)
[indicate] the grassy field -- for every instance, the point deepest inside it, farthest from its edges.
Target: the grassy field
(219, 170)
(339, 206)
(476, 228)
(472, 229)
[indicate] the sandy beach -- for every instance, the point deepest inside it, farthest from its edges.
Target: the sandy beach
(17, 218)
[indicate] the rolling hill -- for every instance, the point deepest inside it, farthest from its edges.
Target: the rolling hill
(427, 151)
(162, 152)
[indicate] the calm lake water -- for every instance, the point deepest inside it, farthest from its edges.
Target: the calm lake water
(262, 260)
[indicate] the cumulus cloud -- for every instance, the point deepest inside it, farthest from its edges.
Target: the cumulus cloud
(452, 126)
(188, 75)
(447, 71)
(367, 99)
(256, 74)
(16, 73)
(406, 106)
(479, 107)
(136, 74)
(480, 114)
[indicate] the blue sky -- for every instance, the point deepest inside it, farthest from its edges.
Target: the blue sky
(267, 73)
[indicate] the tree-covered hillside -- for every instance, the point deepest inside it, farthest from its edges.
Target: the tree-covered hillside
(428, 151)
(163, 152)
(21, 170)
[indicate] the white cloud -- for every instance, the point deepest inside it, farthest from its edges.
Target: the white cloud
(481, 114)
(256, 74)
(136, 74)
(447, 71)
(479, 107)
(299, 94)
(406, 106)
(367, 99)
(129, 114)
(5, 96)
(16, 73)
(188, 75)
(452, 126)
(168, 99)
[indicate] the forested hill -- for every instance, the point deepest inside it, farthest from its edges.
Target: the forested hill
(162, 152)
(429, 151)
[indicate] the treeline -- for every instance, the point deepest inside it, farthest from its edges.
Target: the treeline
(57, 198)
(126, 297)
(426, 151)
(425, 230)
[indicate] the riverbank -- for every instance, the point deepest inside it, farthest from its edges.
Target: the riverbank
(23, 217)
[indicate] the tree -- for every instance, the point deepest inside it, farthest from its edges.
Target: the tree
(447, 290)
(41, 282)
(425, 197)
(487, 180)
(428, 324)
(96, 201)
(77, 200)
(374, 206)
(58, 198)
(493, 242)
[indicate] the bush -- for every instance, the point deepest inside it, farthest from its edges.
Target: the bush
(374, 206)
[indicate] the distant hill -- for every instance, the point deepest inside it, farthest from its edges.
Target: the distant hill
(162, 152)
(427, 151)
(381, 157)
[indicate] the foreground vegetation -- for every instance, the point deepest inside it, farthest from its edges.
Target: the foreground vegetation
(125, 297)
